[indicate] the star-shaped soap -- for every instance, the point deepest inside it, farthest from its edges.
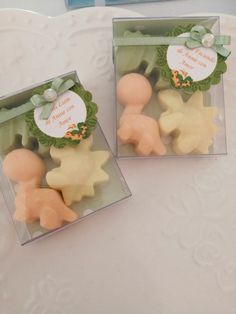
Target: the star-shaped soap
(79, 171)
(190, 123)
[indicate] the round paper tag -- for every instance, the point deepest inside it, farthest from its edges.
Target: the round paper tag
(69, 110)
(191, 64)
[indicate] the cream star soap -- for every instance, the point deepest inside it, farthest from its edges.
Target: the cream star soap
(32, 202)
(134, 92)
(79, 171)
(190, 123)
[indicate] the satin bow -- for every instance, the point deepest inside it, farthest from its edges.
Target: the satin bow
(58, 87)
(199, 37)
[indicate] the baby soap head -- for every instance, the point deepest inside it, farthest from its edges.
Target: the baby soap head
(22, 165)
(133, 90)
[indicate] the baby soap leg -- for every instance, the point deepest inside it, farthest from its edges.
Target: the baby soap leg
(145, 146)
(49, 219)
(64, 213)
(159, 148)
(124, 132)
(68, 214)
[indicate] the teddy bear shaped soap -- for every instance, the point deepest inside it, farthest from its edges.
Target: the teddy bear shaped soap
(33, 202)
(190, 123)
(133, 93)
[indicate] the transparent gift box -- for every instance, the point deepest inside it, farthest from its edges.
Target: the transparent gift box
(102, 187)
(183, 110)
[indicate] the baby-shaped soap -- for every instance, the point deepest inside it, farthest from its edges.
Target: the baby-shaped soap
(190, 123)
(79, 171)
(134, 92)
(32, 202)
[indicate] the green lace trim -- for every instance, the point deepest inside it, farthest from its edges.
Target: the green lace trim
(81, 131)
(166, 72)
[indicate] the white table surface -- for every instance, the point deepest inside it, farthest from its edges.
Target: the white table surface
(167, 8)
(170, 249)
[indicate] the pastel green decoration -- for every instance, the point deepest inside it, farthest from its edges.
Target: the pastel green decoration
(161, 83)
(200, 37)
(136, 52)
(22, 131)
(130, 58)
(82, 131)
(45, 100)
(42, 149)
(58, 87)
(15, 134)
(188, 85)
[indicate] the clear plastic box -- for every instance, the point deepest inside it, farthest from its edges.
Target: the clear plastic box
(106, 193)
(128, 59)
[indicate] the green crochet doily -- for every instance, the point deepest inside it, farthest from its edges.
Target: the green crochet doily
(79, 132)
(188, 83)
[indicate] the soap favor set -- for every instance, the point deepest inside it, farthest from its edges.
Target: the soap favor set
(56, 165)
(169, 87)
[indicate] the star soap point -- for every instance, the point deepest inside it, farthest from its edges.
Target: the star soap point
(79, 171)
(190, 123)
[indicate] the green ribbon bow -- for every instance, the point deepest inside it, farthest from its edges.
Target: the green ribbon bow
(199, 37)
(58, 87)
